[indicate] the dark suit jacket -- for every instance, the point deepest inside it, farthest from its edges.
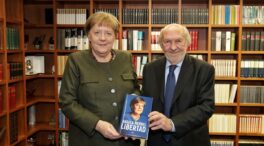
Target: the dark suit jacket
(193, 101)
(92, 91)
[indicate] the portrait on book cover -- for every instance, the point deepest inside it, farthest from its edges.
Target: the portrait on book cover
(134, 121)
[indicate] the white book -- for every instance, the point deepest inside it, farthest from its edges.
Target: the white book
(138, 65)
(233, 93)
(218, 41)
(135, 39)
(228, 40)
(38, 64)
(124, 44)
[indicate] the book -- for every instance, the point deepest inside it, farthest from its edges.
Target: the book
(233, 93)
(134, 119)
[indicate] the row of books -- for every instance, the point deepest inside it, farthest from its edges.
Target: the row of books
(223, 41)
(111, 11)
(252, 41)
(194, 16)
(251, 94)
(251, 124)
(225, 14)
(225, 123)
(253, 15)
(164, 15)
(76, 39)
(221, 142)
(139, 61)
(72, 16)
(194, 40)
(133, 40)
(15, 70)
(224, 67)
(12, 38)
(225, 93)
(135, 16)
(61, 61)
(252, 68)
(222, 14)
(250, 142)
(241, 142)
(72, 39)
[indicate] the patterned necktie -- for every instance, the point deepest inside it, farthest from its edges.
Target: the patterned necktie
(169, 92)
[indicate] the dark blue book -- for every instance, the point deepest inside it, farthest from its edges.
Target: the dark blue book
(134, 119)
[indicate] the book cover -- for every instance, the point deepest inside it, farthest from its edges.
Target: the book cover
(134, 118)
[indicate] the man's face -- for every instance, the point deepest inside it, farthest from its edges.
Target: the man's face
(139, 107)
(174, 45)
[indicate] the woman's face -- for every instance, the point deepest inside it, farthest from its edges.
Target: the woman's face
(101, 39)
(139, 107)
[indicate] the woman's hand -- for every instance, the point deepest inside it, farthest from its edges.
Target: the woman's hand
(107, 130)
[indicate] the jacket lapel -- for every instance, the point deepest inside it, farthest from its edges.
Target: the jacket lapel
(160, 70)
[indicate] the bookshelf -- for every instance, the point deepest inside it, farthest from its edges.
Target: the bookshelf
(31, 28)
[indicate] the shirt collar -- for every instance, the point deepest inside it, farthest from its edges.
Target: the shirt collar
(178, 64)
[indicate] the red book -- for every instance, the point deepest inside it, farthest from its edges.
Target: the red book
(12, 97)
(134, 62)
(195, 44)
(191, 45)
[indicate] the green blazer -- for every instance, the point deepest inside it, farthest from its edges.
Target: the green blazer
(92, 91)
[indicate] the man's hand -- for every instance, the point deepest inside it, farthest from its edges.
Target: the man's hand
(107, 130)
(159, 121)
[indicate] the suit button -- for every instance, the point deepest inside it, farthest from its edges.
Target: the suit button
(114, 104)
(116, 118)
(110, 79)
(112, 90)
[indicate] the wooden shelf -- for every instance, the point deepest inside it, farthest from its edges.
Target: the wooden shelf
(42, 89)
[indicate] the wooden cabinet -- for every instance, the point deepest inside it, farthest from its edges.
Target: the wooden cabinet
(229, 32)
